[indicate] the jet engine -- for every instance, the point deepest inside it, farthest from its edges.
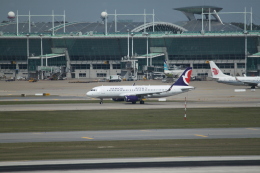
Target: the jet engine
(132, 99)
(118, 99)
(258, 85)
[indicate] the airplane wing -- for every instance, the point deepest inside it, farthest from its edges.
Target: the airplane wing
(249, 83)
(140, 94)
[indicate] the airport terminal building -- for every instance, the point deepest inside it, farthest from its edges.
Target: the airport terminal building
(127, 48)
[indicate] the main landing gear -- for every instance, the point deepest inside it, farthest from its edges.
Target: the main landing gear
(101, 101)
(141, 102)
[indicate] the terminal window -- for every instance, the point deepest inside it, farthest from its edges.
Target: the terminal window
(101, 75)
(82, 74)
(80, 66)
(22, 66)
(101, 66)
(116, 66)
(8, 66)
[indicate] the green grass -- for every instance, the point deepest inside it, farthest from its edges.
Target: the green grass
(124, 149)
(40, 121)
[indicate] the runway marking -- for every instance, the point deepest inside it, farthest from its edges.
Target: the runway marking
(87, 137)
(252, 129)
(106, 147)
(201, 136)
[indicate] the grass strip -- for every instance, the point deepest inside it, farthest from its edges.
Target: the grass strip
(80, 120)
(124, 149)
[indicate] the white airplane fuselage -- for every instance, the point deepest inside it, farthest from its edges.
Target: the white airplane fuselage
(226, 79)
(174, 72)
(151, 91)
(239, 80)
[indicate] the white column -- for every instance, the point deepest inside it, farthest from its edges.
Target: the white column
(52, 22)
(64, 22)
(202, 20)
(46, 61)
(251, 20)
(209, 20)
(127, 43)
(245, 53)
(17, 22)
(144, 21)
(245, 20)
(147, 56)
(28, 54)
(29, 22)
(132, 45)
(41, 58)
(115, 22)
(106, 25)
(153, 20)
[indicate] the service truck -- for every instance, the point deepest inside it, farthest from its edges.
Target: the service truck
(114, 78)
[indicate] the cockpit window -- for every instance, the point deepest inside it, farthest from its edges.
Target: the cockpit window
(93, 89)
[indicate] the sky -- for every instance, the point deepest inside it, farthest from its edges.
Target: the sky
(90, 10)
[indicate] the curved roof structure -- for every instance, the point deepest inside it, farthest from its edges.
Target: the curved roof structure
(194, 24)
(198, 9)
(86, 27)
(159, 26)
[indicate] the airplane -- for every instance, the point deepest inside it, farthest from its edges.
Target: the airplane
(226, 79)
(134, 93)
(175, 72)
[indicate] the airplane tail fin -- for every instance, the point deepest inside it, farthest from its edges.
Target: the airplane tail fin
(216, 72)
(165, 65)
(184, 79)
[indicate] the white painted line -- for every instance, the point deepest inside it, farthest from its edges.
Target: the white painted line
(240, 90)
(162, 99)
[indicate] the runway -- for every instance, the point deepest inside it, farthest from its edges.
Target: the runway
(119, 135)
(124, 105)
(152, 165)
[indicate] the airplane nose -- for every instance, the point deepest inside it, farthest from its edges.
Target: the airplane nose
(88, 93)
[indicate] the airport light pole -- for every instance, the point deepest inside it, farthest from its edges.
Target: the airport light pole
(147, 35)
(41, 56)
(127, 43)
(133, 61)
(202, 16)
(132, 34)
(245, 32)
(28, 54)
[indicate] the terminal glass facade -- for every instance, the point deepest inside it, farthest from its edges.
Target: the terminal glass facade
(90, 52)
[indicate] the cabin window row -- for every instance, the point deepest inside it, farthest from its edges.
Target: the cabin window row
(140, 90)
